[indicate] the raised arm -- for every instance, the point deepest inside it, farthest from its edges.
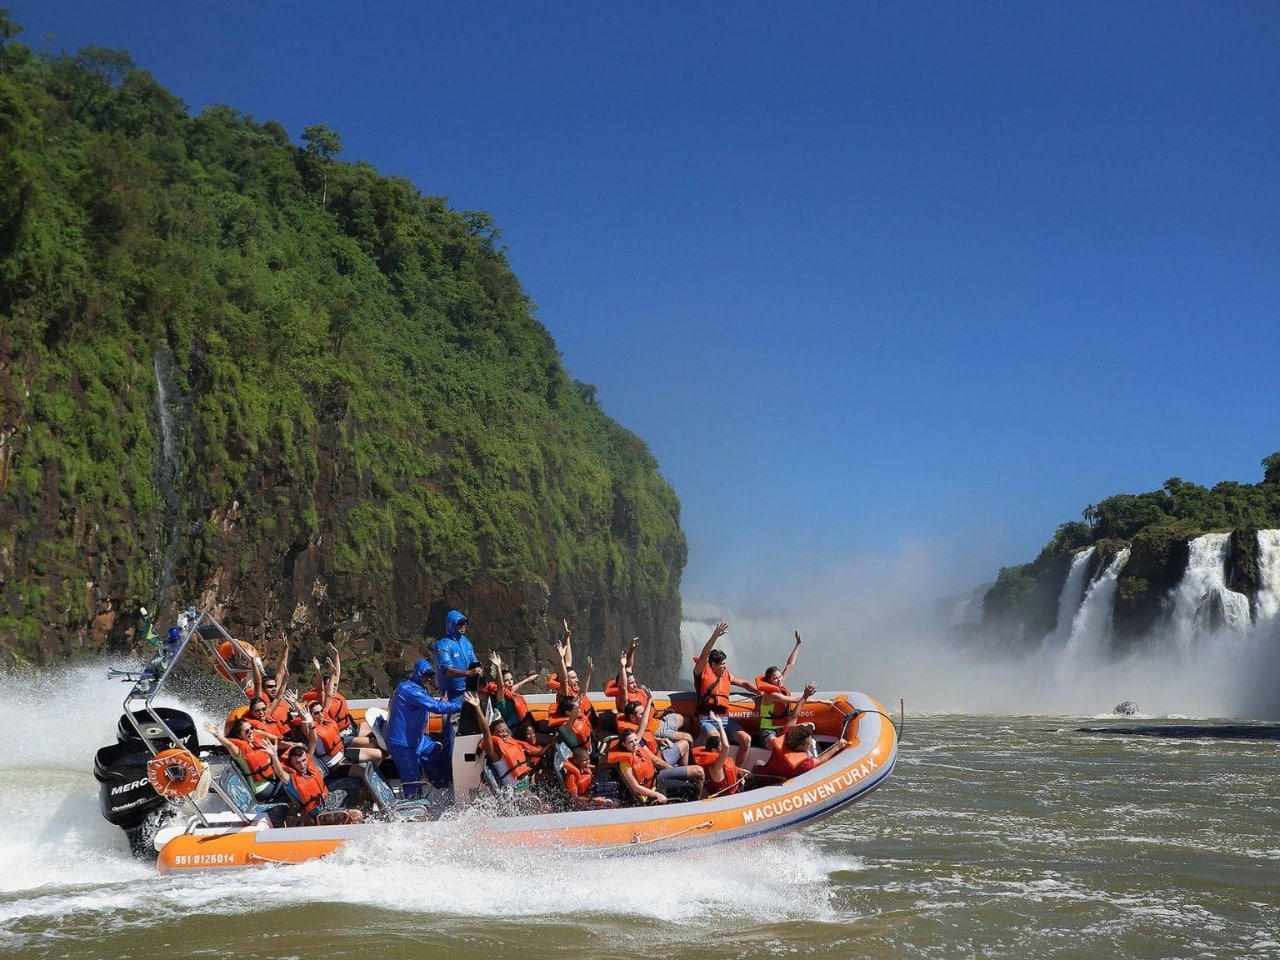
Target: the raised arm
(321, 688)
(335, 673)
(496, 660)
(236, 752)
(620, 691)
(701, 663)
(515, 687)
(486, 735)
(791, 660)
(308, 725)
(586, 681)
(809, 690)
(282, 671)
(566, 649)
(562, 667)
(283, 775)
(631, 653)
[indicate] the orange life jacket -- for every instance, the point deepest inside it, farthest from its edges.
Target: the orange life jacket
(337, 711)
(517, 761)
(785, 763)
(579, 783)
(773, 715)
(328, 737)
(713, 691)
(706, 759)
(579, 730)
(642, 768)
(257, 761)
(309, 787)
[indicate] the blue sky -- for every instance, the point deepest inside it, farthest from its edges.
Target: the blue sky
(879, 284)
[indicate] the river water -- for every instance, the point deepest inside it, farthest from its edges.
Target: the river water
(1002, 837)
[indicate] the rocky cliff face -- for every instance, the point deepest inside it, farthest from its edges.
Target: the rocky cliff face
(242, 374)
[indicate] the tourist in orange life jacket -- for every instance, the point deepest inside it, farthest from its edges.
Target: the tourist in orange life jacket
(566, 682)
(330, 753)
(506, 754)
(273, 684)
(248, 747)
(722, 773)
(306, 781)
(503, 691)
(789, 753)
(673, 747)
(669, 778)
(571, 724)
(272, 718)
(326, 691)
(712, 680)
(580, 781)
(624, 688)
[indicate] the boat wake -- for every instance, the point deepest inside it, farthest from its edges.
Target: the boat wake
(66, 865)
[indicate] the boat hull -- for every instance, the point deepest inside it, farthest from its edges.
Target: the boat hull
(845, 779)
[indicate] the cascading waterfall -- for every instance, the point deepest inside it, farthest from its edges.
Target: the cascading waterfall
(1069, 601)
(1202, 602)
(167, 472)
(1268, 600)
(1091, 626)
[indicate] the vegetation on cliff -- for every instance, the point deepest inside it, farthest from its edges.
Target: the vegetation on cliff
(1156, 526)
(367, 420)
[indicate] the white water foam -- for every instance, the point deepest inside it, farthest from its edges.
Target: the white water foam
(63, 860)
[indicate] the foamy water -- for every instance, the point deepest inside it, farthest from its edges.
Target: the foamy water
(1002, 837)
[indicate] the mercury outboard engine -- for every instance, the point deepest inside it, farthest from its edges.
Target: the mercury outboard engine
(126, 796)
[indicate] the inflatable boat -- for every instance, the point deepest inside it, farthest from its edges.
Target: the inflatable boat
(187, 803)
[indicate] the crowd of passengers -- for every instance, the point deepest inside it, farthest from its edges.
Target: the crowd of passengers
(307, 752)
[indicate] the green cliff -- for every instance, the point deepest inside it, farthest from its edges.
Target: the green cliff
(244, 374)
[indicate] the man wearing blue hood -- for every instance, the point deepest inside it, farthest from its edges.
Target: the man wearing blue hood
(459, 669)
(456, 657)
(411, 747)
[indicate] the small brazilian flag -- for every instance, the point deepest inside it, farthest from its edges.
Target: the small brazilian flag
(152, 638)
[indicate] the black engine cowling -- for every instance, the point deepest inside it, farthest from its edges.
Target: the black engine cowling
(124, 793)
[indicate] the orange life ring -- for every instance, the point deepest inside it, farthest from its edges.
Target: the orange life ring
(174, 773)
(238, 658)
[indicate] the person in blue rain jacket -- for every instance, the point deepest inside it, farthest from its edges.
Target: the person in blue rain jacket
(412, 749)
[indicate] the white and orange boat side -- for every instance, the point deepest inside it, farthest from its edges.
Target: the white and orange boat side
(823, 791)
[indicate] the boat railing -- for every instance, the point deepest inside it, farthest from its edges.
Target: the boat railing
(205, 630)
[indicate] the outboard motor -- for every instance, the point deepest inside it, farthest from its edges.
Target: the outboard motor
(125, 795)
(177, 720)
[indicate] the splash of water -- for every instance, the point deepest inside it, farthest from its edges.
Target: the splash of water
(62, 858)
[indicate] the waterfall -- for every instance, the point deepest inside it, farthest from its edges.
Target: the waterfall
(1202, 602)
(1268, 574)
(1069, 599)
(168, 472)
(1091, 627)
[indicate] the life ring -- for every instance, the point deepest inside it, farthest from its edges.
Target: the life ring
(174, 773)
(238, 658)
